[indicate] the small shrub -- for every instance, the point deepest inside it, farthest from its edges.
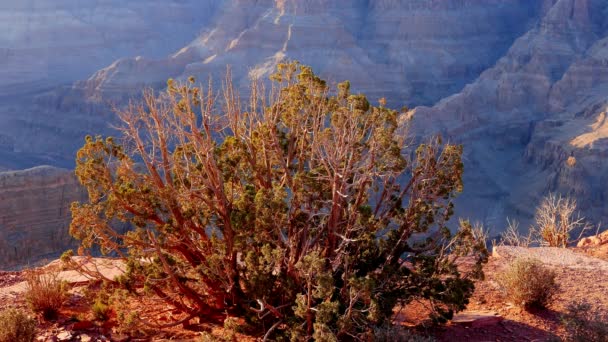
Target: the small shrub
(16, 326)
(127, 320)
(45, 293)
(571, 161)
(101, 311)
(231, 328)
(583, 324)
(528, 283)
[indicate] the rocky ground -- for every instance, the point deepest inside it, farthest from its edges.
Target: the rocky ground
(582, 273)
(581, 278)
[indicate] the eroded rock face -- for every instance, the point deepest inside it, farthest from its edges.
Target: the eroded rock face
(35, 214)
(413, 52)
(409, 51)
(535, 122)
(48, 42)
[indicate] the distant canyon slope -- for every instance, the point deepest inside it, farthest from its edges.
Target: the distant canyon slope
(522, 84)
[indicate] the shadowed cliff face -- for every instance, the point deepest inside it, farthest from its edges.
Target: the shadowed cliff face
(35, 214)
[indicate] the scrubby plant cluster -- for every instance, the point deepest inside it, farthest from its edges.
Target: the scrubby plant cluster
(556, 221)
(528, 283)
(16, 326)
(301, 210)
(584, 324)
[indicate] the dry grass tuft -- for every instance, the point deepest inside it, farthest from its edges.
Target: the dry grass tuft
(45, 293)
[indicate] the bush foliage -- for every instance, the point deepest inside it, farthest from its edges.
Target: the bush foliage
(528, 283)
(583, 324)
(16, 326)
(303, 210)
(556, 220)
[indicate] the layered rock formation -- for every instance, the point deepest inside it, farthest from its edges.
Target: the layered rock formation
(534, 123)
(413, 52)
(44, 43)
(47, 43)
(35, 214)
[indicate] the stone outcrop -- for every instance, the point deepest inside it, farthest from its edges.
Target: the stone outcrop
(35, 214)
(477, 319)
(552, 256)
(594, 241)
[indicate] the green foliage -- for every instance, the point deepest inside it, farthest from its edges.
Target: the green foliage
(528, 283)
(101, 310)
(127, 319)
(583, 324)
(16, 326)
(303, 212)
(66, 256)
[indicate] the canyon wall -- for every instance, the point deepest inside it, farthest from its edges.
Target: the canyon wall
(535, 122)
(35, 214)
(48, 42)
(412, 52)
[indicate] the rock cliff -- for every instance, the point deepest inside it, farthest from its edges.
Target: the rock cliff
(44, 43)
(35, 214)
(535, 122)
(413, 52)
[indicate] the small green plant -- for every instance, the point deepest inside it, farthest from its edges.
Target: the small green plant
(528, 283)
(583, 324)
(128, 321)
(66, 256)
(231, 328)
(101, 310)
(45, 293)
(16, 326)
(207, 337)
